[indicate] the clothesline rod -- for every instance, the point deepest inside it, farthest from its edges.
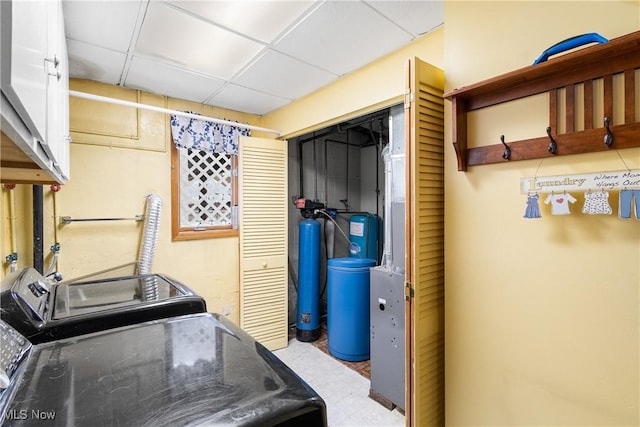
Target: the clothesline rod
(69, 220)
(108, 100)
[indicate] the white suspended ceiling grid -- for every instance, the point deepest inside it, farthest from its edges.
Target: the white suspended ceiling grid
(248, 56)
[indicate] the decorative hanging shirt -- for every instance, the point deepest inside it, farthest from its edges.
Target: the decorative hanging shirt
(206, 136)
(533, 210)
(596, 203)
(560, 203)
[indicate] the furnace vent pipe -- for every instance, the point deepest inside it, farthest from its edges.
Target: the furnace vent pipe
(386, 250)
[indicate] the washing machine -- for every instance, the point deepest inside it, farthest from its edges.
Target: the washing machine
(197, 369)
(42, 311)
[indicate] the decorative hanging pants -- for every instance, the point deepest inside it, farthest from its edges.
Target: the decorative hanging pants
(629, 199)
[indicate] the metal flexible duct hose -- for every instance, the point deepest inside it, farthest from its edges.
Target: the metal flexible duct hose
(148, 244)
(150, 289)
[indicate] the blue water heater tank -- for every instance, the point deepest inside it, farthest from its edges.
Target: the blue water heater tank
(363, 234)
(308, 313)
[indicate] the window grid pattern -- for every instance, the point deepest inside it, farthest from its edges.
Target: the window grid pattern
(206, 189)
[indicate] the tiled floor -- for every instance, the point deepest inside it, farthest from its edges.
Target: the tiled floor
(345, 391)
(363, 368)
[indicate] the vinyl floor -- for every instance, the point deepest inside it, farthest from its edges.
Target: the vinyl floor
(344, 386)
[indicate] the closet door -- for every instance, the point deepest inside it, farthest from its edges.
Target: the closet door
(424, 293)
(263, 240)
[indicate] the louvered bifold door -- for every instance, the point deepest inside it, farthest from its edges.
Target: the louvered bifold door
(425, 244)
(262, 179)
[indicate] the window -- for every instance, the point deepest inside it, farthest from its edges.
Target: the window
(204, 204)
(204, 179)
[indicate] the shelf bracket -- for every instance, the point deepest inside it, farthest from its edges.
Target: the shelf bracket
(460, 132)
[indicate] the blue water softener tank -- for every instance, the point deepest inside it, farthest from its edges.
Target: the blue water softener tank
(348, 308)
(363, 234)
(308, 315)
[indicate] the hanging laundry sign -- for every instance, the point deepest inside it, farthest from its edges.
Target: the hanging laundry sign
(616, 180)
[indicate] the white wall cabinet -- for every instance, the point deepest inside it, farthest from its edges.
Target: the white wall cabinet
(35, 81)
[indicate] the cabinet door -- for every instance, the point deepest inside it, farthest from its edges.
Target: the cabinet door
(263, 240)
(56, 143)
(24, 79)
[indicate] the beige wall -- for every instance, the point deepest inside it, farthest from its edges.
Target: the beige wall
(380, 84)
(542, 323)
(119, 158)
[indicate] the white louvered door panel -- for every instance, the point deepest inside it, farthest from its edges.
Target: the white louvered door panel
(263, 240)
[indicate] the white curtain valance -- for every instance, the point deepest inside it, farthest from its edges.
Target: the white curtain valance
(206, 136)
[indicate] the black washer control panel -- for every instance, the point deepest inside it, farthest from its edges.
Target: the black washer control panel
(13, 347)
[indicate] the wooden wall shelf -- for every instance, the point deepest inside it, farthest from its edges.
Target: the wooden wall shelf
(620, 56)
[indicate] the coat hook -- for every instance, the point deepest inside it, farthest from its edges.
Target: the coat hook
(507, 151)
(608, 136)
(553, 145)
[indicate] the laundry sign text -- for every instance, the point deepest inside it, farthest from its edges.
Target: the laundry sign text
(615, 180)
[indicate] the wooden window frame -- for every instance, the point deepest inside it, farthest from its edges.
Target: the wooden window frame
(189, 233)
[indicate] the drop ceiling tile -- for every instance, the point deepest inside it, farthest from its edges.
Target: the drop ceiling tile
(108, 24)
(417, 17)
(157, 77)
(199, 45)
(248, 17)
(238, 98)
(192, 43)
(279, 74)
(94, 63)
(342, 36)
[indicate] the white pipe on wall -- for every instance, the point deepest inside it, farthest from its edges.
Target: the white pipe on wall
(12, 258)
(55, 217)
(168, 111)
(12, 221)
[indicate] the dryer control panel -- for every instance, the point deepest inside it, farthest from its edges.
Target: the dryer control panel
(31, 288)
